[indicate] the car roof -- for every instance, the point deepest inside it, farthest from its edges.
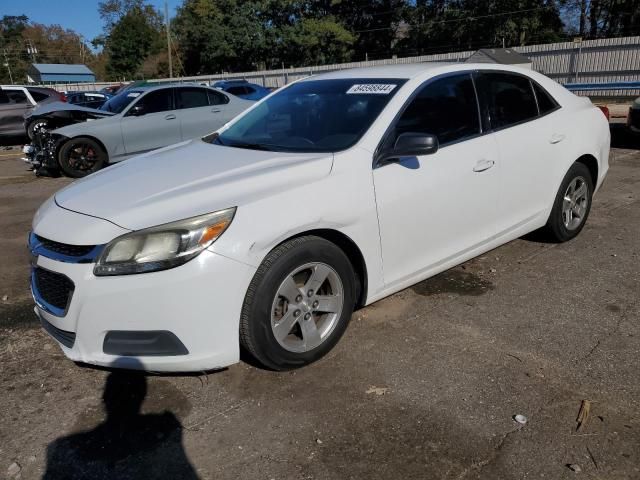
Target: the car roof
(405, 71)
(413, 70)
(147, 88)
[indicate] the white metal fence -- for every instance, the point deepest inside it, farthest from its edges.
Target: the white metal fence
(598, 61)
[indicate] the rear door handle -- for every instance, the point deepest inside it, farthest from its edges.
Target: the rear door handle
(556, 138)
(483, 165)
(171, 116)
(216, 110)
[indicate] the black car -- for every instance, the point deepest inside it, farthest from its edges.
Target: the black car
(88, 99)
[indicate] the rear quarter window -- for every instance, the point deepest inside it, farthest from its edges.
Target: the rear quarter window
(546, 103)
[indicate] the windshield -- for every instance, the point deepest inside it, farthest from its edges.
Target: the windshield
(118, 103)
(312, 116)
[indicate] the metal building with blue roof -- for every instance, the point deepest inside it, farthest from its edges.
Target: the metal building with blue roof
(59, 73)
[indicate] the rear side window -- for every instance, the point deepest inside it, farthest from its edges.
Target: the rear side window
(191, 97)
(38, 96)
(157, 101)
(446, 108)
(17, 96)
(509, 98)
(237, 90)
(216, 98)
(546, 103)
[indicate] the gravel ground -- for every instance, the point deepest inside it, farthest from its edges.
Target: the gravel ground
(424, 384)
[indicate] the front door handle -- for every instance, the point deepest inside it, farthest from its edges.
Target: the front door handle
(556, 138)
(216, 110)
(483, 165)
(171, 116)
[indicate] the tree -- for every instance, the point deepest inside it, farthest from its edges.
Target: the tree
(12, 51)
(132, 33)
(237, 35)
(448, 25)
(606, 18)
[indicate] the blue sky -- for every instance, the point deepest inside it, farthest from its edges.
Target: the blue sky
(79, 15)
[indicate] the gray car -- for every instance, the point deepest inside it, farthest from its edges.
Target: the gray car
(143, 119)
(16, 101)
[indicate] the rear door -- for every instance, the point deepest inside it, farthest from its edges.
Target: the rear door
(198, 116)
(156, 126)
(529, 140)
(14, 103)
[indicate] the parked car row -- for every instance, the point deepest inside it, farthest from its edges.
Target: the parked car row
(135, 121)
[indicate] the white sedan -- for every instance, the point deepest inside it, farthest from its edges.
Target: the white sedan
(328, 195)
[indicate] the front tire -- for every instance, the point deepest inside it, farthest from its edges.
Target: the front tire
(81, 156)
(298, 304)
(572, 204)
(35, 124)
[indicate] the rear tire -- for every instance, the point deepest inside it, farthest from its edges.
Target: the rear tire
(81, 156)
(572, 204)
(298, 304)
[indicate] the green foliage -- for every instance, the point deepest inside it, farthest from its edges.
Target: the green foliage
(133, 33)
(223, 35)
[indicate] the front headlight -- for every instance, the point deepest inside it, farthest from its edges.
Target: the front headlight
(162, 247)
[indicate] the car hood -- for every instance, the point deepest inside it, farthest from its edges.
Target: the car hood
(53, 107)
(188, 179)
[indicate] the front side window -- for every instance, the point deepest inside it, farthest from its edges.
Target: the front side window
(191, 97)
(509, 98)
(446, 108)
(157, 101)
(313, 116)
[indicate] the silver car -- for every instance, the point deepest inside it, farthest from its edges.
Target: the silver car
(143, 119)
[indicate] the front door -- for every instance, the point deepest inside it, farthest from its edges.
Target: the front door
(154, 124)
(433, 208)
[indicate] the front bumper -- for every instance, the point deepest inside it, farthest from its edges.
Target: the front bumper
(198, 302)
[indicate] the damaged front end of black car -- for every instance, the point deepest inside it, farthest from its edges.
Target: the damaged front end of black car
(41, 123)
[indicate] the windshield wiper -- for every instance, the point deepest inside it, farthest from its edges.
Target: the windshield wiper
(248, 145)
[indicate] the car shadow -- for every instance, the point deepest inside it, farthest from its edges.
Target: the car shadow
(127, 444)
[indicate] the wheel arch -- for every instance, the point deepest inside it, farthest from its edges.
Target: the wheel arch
(353, 252)
(65, 140)
(591, 163)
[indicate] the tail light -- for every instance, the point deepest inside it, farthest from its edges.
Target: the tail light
(63, 97)
(605, 111)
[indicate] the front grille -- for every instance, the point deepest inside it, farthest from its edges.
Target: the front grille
(65, 248)
(53, 288)
(65, 338)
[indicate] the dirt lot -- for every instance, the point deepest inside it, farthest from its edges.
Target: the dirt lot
(423, 385)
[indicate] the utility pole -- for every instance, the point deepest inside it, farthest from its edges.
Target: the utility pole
(166, 14)
(31, 50)
(6, 64)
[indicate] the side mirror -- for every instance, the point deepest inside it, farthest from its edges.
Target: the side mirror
(410, 144)
(136, 111)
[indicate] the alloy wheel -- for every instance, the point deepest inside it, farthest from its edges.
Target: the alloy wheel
(575, 203)
(307, 307)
